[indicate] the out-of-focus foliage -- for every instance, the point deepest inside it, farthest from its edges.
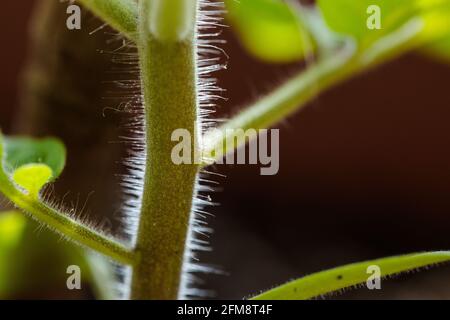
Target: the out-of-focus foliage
(269, 29)
(33, 262)
(272, 30)
(12, 226)
(440, 49)
(30, 260)
(350, 17)
(440, 19)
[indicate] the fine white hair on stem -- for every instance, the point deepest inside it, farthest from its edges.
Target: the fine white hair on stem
(209, 57)
(126, 60)
(126, 65)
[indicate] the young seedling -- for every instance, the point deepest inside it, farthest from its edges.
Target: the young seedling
(168, 35)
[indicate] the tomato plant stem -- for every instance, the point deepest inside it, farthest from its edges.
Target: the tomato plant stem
(168, 71)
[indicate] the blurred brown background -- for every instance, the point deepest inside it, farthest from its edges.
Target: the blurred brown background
(364, 172)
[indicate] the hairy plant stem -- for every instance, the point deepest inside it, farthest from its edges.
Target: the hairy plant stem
(295, 93)
(168, 70)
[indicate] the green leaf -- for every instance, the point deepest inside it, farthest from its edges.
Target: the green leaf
(20, 151)
(32, 177)
(440, 20)
(12, 226)
(21, 247)
(350, 275)
(440, 49)
(350, 17)
(269, 29)
(50, 152)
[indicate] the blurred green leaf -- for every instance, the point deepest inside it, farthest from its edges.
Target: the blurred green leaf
(269, 29)
(350, 17)
(33, 263)
(12, 226)
(440, 19)
(20, 151)
(350, 275)
(440, 49)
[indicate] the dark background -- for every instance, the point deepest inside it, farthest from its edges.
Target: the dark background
(364, 172)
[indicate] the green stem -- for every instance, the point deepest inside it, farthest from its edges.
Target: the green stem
(168, 71)
(293, 95)
(325, 282)
(64, 225)
(296, 93)
(119, 14)
(279, 104)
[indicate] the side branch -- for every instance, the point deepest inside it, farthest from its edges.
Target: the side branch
(64, 225)
(122, 15)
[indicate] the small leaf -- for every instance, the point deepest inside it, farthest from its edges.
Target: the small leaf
(12, 227)
(31, 263)
(440, 25)
(350, 17)
(350, 275)
(12, 224)
(269, 29)
(440, 49)
(32, 177)
(20, 151)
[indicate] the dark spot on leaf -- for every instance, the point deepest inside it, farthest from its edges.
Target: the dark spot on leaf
(339, 277)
